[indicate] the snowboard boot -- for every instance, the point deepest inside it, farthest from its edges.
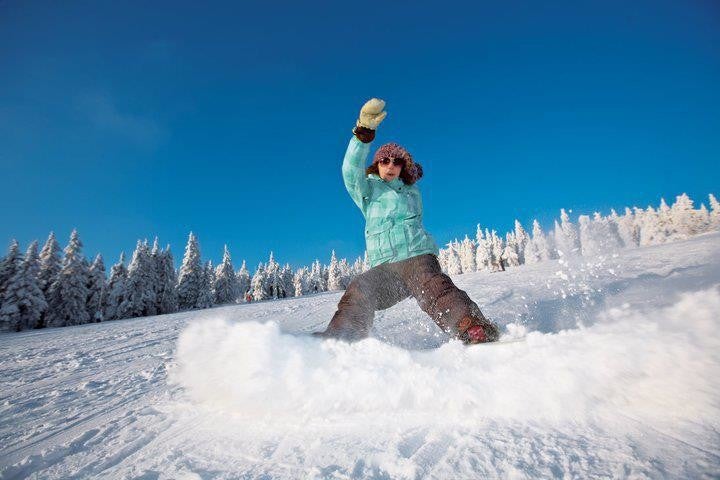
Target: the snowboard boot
(473, 330)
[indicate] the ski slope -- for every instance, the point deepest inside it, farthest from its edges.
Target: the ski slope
(616, 377)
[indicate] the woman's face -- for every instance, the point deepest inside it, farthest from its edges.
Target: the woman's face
(389, 171)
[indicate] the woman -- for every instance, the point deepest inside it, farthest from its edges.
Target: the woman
(402, 255)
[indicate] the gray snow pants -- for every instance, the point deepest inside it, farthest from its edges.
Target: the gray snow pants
(386, 284)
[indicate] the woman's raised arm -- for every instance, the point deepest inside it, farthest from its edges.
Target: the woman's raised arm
(353, 168)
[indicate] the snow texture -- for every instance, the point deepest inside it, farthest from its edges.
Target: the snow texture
(615, 377)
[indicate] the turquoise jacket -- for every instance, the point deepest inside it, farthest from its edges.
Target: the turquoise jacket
(392, 210)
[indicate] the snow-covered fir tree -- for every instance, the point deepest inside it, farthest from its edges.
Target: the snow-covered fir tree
(9, 265)
(497, 251)
(243, 280)
(358, 267)
(714, 212)
(703, 219)
(468, 255)
(49, 263)
(542, 245)
(626, 228)
(652, 231)
(192, 276)
(116, 289)
(273, 284)
(685, 219)
(521, 241)
(140, 294)
(97, 293)
(334, 274)
(570, 234)
(510, 251)
(226, 283)
(316, 282)
(205, 298)
(287, 277)
(454, 267)
(257, 284)
(482, 252)
(167, 282)
(23, 302)
(607, 233)
(300, 281)
(67, 296)
(665, 224)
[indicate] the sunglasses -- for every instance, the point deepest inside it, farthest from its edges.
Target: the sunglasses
(398, 162)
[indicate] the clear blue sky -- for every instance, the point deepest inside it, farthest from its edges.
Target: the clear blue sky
(131, 119)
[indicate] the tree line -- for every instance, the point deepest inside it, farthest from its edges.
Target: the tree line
(42, 289)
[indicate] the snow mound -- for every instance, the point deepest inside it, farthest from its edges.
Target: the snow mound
(647, 364)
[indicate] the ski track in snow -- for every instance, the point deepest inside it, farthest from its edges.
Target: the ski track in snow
(615, 378)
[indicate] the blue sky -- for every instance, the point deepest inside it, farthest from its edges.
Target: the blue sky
(132, 120)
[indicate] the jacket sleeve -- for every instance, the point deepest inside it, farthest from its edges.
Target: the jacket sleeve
(353, 171)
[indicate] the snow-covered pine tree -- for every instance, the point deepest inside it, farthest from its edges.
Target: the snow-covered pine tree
(497, 250)
(521, 240)
(191, 277)
(49, 263)
(9, 265)
(684, 217)
(258, 284)
(317, 282)
(226, 284)
(510, 251)
(155, 264)
(116, 289)
(443, 259)
(652, 232)
(532, 253)
(357, 267)
(454, 267)
(211, 277)
(346, 274)
(167, 281)
(468, 255)
(570, 234)
(300, 281)
(607, 233)
(324, 275)
(665, 224)
(140, 299)
(97, 293)
(334, 275)
(67, 296)
(626, 229)
(272, 285)
(544, 249)
(703, 219)
(482, 253)
(205, 298)
(23, 302)
(714, 212)
(286, 277)
(243, 280)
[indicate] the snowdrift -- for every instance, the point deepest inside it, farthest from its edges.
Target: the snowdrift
(650, 364)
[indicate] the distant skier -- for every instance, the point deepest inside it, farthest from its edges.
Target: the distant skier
(402, 255)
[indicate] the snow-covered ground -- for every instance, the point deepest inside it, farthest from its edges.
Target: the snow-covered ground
(616, 377)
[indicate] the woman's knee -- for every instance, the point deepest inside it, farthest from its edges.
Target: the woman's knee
(357, 293)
